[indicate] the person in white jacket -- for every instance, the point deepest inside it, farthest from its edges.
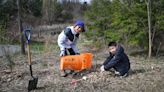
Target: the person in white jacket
(67, 40)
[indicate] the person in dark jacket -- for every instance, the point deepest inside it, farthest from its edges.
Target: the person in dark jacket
(117, 60)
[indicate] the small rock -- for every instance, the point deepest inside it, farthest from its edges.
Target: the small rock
(9, 79)
(84, 78)
(152, 67)
(7, 71)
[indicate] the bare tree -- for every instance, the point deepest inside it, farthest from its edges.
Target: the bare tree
(22, 42)
(48, 10)
(148, 3)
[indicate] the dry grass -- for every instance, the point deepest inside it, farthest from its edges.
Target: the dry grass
(145, 75)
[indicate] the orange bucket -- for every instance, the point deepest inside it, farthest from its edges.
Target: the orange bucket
(76, 62)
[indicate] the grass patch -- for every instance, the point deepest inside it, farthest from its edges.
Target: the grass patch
(37, 46)
(41, 47)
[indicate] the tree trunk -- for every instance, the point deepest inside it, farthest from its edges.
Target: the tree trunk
(149, 24)
(22, 42)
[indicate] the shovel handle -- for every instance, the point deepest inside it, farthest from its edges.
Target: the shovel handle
(29, 59)
(29, 54)
(27, 34)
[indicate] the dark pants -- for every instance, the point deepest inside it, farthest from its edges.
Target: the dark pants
(70, 50)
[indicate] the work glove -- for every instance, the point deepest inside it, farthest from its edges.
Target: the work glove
(102, 68)
(62, 53)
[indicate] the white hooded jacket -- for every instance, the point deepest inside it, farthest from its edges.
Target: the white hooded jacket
(64, 42)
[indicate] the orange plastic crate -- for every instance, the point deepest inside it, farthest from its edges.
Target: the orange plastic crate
(76, 62)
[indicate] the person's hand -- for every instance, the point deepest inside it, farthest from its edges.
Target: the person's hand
(102, 68)
(62, 53)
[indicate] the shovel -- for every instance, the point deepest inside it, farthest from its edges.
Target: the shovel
(34, 80)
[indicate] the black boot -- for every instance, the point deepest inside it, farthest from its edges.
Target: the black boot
(63, 74)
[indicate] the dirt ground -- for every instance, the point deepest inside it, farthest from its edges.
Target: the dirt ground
(144, 76)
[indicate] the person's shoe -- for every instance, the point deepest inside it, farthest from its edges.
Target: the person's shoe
(68, 71)
(72, 72)
(63, 74)
(125, 75)
(117, 73)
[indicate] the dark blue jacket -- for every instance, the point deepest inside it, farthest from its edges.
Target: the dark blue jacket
(119, 61)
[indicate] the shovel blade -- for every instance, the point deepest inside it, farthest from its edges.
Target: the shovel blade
(32, 84)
